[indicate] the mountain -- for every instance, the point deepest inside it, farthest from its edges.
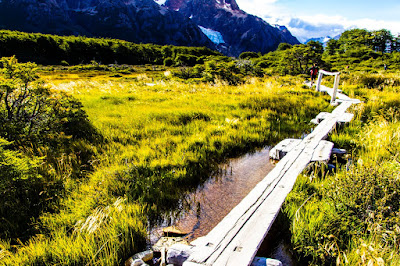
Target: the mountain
(140, 21)
(323, 40)
(217, 24)
(237, 30)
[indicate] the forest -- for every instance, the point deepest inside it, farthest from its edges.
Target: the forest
(102, 137)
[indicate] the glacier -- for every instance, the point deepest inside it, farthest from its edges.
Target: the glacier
(160, 2)
(214, 36)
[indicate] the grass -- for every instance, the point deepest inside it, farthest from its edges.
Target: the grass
(162, 137)
(352, 217)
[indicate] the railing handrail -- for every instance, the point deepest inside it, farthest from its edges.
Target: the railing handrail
(335, 86)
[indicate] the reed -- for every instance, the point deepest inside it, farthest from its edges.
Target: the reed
(161, 138)
(352, 217)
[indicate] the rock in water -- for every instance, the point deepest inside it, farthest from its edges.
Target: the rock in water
(136, 262)
(178, 254)
(142, 256)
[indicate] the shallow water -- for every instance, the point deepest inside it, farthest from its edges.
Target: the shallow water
(203, 209)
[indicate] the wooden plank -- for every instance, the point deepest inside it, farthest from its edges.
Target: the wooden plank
(236, 239)
(323, 151)
(216, 240)
(339, 96)
(322, 116)
(345, 118)
(282, 148)
(243, 248)
(253, 232)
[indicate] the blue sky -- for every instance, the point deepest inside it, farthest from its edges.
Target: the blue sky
(313, 18)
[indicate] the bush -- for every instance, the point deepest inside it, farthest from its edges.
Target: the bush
(32, 114)
(38, 122)
(249, 55)
(168, 61)
(185, 60)
(21, 191)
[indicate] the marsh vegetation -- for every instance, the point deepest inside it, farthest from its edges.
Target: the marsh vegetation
(90, 153)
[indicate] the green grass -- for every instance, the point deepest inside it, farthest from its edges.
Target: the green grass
(352, 217)
(160, 140)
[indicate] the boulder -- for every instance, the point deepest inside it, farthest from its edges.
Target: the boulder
(178, 254)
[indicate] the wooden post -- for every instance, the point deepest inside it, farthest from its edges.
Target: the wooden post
(319, 81)
(335, 88)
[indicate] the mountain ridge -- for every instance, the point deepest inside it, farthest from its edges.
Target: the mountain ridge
(141, 21)
(230, 30)
(241, 31)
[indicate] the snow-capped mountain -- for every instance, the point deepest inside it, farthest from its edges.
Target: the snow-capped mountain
(239, 30)
(323, 40)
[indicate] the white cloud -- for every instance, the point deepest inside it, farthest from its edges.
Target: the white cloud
(317, 25)
(261, 8)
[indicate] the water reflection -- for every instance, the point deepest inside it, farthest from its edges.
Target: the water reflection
(203, 209)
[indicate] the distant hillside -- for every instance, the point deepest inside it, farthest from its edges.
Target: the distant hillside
(220, 25)
(139, 21)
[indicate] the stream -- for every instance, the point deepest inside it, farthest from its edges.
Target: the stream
(203, 209)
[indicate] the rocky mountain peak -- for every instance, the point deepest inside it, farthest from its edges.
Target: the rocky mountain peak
(175, 4)
(227, 4)
(230, 28)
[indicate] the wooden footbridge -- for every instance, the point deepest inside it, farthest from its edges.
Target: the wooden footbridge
(236, 239)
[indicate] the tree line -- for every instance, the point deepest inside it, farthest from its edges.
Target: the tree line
(356, 49)
(50, 49)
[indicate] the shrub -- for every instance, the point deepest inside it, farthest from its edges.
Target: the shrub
(38, 122)
(31, 114)
(168, 61)
(248, 55)
(21, 190)
(186, 60)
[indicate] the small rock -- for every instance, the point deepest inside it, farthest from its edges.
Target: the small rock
(173, 231)
(145, 255)
(142, 256)
(178, 254)
(136, 262)
(166, 242)
(265, 262)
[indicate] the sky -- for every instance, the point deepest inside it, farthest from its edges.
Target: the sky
(313, 18)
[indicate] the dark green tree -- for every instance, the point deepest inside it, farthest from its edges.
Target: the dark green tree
(355, 38)
(317, 47)
(248, 55)
(332, 47)
(299, 58)
(381, 40)
(283, 46)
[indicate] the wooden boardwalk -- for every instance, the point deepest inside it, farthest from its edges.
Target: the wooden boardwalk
(237, 238)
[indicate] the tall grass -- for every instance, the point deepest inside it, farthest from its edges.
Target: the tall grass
(352, 217)
(160, 141)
